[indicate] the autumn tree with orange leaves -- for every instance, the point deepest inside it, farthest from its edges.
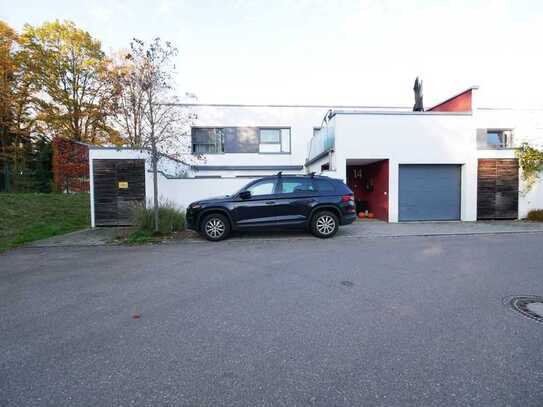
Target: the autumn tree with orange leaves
(17, 118)
(55, 81)
(77, 94)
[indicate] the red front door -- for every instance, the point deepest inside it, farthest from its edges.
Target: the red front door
(370, 186)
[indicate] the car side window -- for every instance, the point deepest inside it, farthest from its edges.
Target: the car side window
(264, 187)
(293, 185)
(323, 185)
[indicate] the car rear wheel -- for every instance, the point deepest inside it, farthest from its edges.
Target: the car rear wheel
(324, 224)
(215, 227)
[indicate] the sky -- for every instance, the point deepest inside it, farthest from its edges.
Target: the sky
(329, 52)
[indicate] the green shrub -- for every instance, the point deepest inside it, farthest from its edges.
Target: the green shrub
(139, 237)
(536, 215)
(171, 219)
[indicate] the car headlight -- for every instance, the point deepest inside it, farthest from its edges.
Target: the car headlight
(195, 205)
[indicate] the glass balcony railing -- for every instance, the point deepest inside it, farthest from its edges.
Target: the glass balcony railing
(322, 141)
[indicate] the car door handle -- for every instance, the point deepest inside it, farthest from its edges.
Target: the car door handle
(270, 202)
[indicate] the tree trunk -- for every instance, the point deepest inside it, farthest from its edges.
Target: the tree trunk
(5, 169)
(6, 175)
(155, 186)
(154, 159)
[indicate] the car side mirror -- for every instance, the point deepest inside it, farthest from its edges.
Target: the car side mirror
(245, 195)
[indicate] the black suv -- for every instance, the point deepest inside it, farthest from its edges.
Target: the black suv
(317, 203)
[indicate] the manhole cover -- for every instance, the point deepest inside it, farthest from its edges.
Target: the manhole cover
(529, 306)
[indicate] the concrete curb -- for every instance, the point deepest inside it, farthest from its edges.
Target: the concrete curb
(286, 238)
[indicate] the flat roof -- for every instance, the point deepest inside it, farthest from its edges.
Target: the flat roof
(365, 108)
(392, 113)
(310, 106)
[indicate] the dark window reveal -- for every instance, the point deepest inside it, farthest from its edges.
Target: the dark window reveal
(207, 140)
(240, 140)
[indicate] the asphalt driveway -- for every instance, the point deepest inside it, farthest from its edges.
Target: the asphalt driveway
(409, 321)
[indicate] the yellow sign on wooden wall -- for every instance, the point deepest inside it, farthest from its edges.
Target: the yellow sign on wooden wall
(123, 184)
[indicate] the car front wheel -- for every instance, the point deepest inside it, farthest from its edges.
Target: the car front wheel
(324, 224)
(215, 227)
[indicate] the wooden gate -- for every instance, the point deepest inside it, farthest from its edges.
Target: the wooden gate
(118, 184)
(497, 189)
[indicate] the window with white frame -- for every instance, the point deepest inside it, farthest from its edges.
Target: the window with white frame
(274, 140)
(494, 139)
(218, 140)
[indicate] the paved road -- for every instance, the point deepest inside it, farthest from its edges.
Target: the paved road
(411, 321)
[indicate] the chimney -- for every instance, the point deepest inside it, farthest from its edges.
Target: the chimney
(417, 88)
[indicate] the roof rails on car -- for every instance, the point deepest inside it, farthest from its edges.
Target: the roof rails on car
(309, 174)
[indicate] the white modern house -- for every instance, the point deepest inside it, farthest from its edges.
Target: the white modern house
(454, 161)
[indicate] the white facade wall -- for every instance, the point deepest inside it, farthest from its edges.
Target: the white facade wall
(315, 166)
(434, 138)
(183, 191)
(300, 120)
(410, 138)
(401, 137)
(180, 191)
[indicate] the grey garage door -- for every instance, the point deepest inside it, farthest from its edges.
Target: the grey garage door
(429, 192)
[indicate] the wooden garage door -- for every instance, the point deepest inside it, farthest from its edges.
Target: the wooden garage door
(497, 189)
(118, 184)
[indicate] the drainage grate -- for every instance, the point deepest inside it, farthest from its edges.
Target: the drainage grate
(529, 306)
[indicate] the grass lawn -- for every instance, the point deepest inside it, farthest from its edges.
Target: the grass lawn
(27, 217)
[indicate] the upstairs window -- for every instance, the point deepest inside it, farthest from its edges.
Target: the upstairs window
(494, 139)
(218, 140)
(274, 140)
(499, 138)
(207, 140)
